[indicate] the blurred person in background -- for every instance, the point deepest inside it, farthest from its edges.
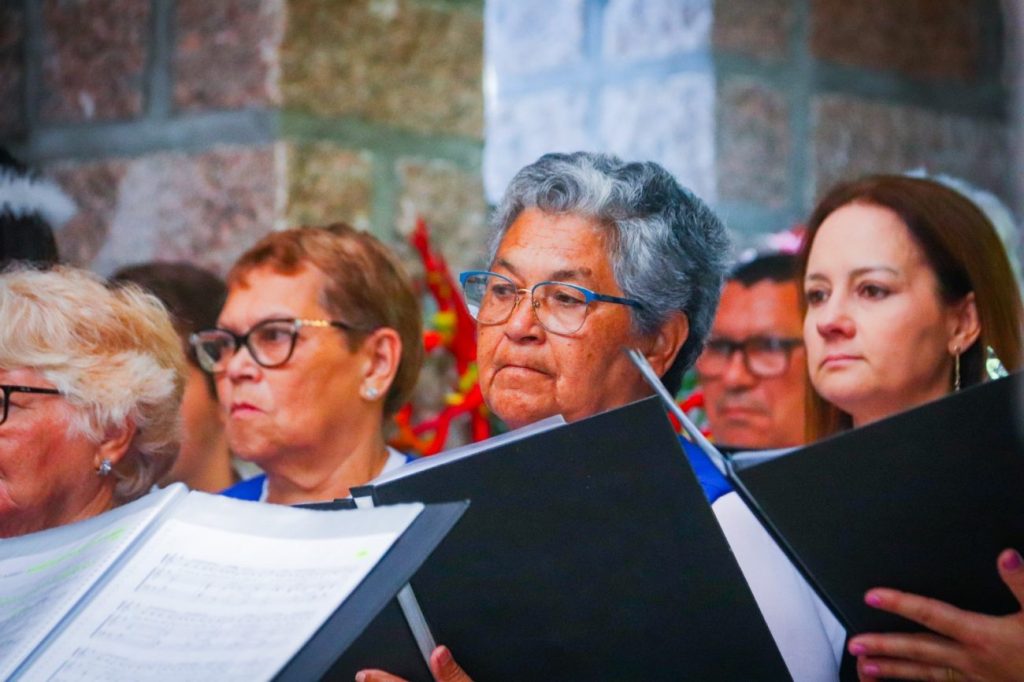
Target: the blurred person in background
(194, 297)
(31, 208)
(91, 378)
(319, 342)
(752, 370)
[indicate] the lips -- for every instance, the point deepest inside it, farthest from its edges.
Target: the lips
(242, 408)
(838, 360)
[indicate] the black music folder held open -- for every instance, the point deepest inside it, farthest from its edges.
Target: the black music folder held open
(588, 552)
(923, 501)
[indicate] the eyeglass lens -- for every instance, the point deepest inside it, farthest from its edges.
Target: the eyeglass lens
(270, 343)
(560, 308)
(763, 356)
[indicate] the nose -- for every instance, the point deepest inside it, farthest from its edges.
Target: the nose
(832, 319)
(241, 366)
(522, 324)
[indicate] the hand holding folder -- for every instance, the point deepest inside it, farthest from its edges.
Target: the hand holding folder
(974, 645)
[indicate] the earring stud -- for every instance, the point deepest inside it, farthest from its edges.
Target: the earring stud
(371, 393)
(104, 468)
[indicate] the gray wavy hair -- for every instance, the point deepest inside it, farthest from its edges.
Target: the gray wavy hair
(111, 351)
(668, 249)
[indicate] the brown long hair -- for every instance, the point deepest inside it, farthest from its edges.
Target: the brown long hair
(962, 248)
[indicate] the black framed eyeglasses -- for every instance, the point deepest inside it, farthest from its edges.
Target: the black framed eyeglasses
(763, 356)
(270, 342)
(561, 308)
(8, 390)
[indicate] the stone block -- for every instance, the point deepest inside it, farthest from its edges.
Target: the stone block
(410, 64)
(12, 68)
(451, 200)
(206, 208)
(854, 137)
(95, 188)
(529, 36)
(94, 59)
(650, 29)
(522, 128)
(226, 53)
(930, 39)
(669, 120)
(754, 143)
(754, 29)
(327, 183)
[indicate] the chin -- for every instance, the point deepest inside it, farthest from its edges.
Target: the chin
(516, 414)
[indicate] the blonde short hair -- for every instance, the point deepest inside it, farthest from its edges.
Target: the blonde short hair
(111, 351)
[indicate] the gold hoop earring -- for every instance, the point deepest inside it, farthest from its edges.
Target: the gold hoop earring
(956, 368)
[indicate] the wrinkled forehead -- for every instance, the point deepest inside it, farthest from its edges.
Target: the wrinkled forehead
(765, 308)
(565, 247)
(266, 291)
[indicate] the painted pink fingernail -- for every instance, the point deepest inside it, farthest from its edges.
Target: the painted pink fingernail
(857, 649)
(1012, 561)
(871, 669)
(874, 600)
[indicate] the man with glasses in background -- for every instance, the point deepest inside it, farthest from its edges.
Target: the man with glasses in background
(753, 367)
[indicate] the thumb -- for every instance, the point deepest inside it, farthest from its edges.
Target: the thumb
(1011, 569)
(444, 668)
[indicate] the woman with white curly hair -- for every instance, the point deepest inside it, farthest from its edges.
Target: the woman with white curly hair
(91, 378)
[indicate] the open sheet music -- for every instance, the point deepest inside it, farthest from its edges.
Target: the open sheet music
(182, 585)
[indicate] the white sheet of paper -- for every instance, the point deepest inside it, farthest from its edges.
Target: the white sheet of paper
(201, 602)
(44, 575)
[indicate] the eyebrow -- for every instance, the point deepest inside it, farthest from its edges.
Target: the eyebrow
(814, 276)
(558, 275)
(265, 318)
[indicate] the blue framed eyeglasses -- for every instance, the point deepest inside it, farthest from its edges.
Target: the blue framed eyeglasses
(560, 307)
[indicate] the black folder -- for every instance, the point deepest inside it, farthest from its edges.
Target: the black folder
(589, 552)
(923, 501)
(389, 576)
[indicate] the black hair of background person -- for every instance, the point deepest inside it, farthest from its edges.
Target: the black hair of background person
(25, 232)
(776, 267)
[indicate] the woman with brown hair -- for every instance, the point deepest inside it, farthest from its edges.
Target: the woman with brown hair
(906, 288)
(318, 343)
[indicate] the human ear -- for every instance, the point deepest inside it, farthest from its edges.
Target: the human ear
(964, 325)
(382, 353)
(663, 346)
(115, 443)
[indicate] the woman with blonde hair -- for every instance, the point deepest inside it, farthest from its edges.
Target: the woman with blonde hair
(91, 378)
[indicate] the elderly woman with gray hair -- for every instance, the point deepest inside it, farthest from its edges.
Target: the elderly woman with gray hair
(91, 379)
(591, 255)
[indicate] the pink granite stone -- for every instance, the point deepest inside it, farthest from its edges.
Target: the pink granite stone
(12, 69)
(754, 143)
(929, 39)
(94, 57)
(226, 53)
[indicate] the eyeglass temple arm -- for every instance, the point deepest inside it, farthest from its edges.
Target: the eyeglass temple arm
(717, 458)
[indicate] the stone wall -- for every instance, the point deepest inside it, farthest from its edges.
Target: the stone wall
(758, 106)
(186, 129)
